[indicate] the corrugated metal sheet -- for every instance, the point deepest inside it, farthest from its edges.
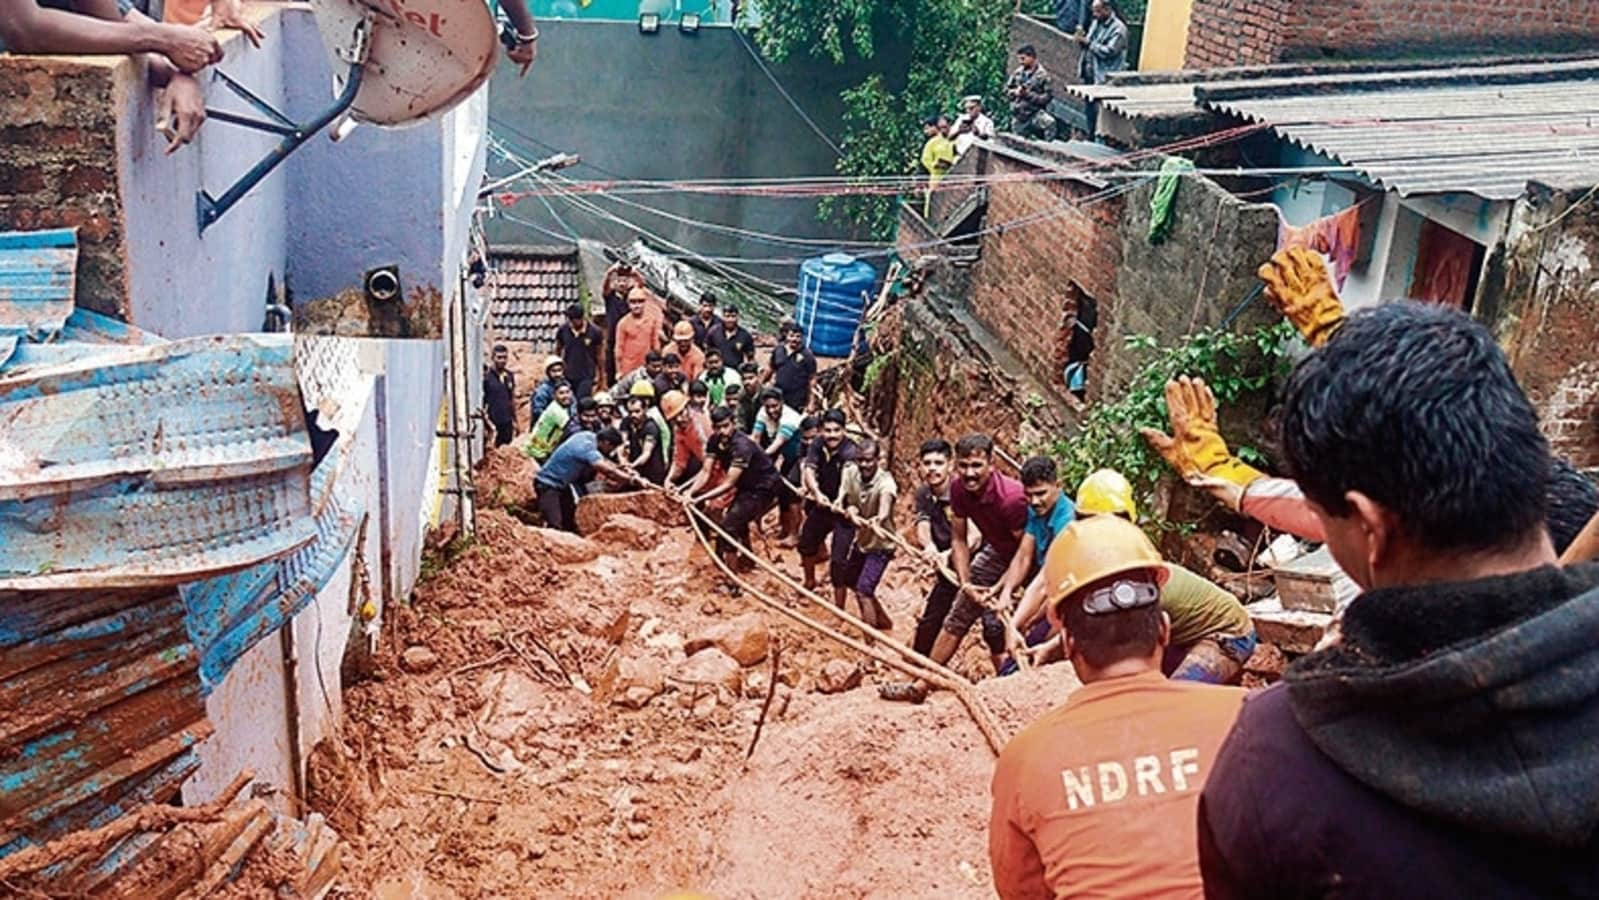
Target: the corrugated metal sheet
(531, 287)
(37, 274)
(227, 615)
(152, 464)
(1484, 131)
(105, 708)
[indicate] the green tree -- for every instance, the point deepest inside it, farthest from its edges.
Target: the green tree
(956, 47)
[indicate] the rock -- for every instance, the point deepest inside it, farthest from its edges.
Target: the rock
(561, 547)
(638, 831)
(418, 658)
(838, 676)
(688, 753)
(505, 479)
(745, 638)
(617, 628)
(629, 531)
(513, 701)
(755, 685)
(595, 510)
(705, 705)
(631, 682)
(712, 667)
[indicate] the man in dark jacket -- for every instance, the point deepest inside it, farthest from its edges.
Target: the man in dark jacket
(1445, 745)
(499, 396)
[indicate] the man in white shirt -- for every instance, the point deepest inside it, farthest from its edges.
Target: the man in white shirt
(971, 124)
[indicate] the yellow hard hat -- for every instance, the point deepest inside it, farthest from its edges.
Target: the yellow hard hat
(1090, 549)
(672, 403)
(1106, 492)
(550, 361)
(642, 389)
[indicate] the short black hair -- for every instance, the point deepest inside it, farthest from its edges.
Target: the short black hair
(671, 359)
(835, 416)
(609, 436)
(749, 368)
(1106, 639)
(707, 299)
(1027, 50)
(771, 393)
(810, 422)
(558, 383)
(1039, 470)
(931, 119)
(1415, 406)
(720, 414)
(865, 444)
(574, 311)
(712, 351)
(652, 356)
(499, 348)
(587, 404)
(697, 388)
(934, 445)
(730, 308)
(975, 442)
(1573, 500)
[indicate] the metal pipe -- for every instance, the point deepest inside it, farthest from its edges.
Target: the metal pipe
(291, 706)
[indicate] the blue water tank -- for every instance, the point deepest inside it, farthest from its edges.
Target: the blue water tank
(832, 298)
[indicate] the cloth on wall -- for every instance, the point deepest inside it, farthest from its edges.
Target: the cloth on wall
(1164, 201)
(1336, 236)
(1443, 265)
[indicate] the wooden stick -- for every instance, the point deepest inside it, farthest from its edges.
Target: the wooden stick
(468, 797)
(766, 705)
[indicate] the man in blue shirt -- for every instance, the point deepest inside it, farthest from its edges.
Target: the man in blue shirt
(572, 465)
(1048, 513)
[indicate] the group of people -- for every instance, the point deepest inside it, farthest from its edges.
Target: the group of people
(1438, 743)
(1101, 36)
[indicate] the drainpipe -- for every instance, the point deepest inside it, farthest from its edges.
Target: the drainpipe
(291, 705)
(462, 423)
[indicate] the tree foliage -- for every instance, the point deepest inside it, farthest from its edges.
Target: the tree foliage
(952, 48)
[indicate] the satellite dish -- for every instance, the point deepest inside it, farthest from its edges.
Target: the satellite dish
(395, 63)
(424, 58)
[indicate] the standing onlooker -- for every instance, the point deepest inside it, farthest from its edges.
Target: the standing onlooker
(688, 353)
(749, 399)
(971, 125)
(1071, 16)
(499, 395)
(793, 370)
(822, 472)
(717, 376)
(704, 320)
(579, 346)
(1444, 745)
(1030, 93)
(938, 156)
(620, 280)
(671, 377)
(1105, 45)
(732, 339)
(569, 468)
(869, 493)
(639, 331)
(554, 373)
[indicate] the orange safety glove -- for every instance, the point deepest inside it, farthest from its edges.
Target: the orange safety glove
(1195, 448)
(1299, 286)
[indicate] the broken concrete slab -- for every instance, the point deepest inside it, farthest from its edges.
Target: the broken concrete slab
(1294, 631)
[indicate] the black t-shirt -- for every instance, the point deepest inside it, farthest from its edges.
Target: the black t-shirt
(637, 435)
(580, 351)
(793, 374)
(702, 331)
(741, 451)
(499, 390)
(936, 511)
(736, 348)
(829, 466)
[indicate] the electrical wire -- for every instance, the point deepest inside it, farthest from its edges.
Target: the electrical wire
(744, 42)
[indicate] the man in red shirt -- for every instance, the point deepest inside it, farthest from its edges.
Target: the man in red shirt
(1099, 797)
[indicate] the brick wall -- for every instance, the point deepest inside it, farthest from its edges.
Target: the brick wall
(59, 167)
(1019, 283)
(1548, 303)
(1251, 32)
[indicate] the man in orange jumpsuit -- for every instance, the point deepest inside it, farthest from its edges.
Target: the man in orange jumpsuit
(1099, 797)
(639, 331)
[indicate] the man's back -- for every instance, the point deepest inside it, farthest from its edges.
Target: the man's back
(1098, 797)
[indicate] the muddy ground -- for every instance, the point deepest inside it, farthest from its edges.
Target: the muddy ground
(498, 751)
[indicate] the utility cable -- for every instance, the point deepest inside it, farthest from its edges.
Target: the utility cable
(744, 42)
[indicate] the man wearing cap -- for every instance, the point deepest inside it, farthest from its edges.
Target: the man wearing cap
(1099, 797)
(554, 371)
(639, 332)
(605, 402)
(750, 477)
(717, 376)
(704, 320)
(499, 396)
(688, 443)
(732, 339)
(689, 353)
(971, 125)
(579, 346)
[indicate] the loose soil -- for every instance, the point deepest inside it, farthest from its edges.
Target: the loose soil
(488, 756)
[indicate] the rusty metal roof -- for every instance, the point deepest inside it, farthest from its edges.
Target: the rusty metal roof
(37, 272)
(531, 287)
(1483, 130)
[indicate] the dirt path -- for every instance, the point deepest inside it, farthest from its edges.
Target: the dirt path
(473, 767)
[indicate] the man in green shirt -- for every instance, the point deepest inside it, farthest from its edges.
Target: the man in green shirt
(717, 376)
(551, 424)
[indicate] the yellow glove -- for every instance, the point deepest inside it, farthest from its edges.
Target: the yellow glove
(1299, 286)
(1195, 447)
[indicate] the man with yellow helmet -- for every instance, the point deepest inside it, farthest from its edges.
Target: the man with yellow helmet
(1212, 634)
(1099, 797)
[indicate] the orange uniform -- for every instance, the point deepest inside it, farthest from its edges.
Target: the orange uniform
(1099, 797)
(636, 336)
(693, 359)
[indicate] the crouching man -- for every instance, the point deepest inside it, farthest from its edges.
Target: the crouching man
(1099, 797)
